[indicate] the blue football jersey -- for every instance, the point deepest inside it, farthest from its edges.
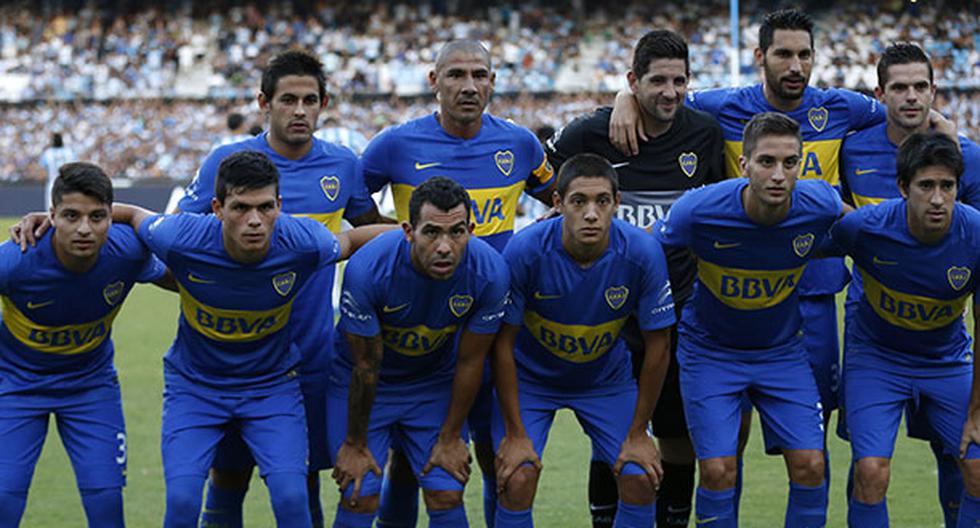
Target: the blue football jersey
(326, 185)
(233, 332)
(868, 168)
(418, 318)
(56, 326)
(746, 295)
(912, 296)
(495, 167)
(571, 316)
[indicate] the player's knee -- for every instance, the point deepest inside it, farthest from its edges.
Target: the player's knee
(400, 471)
(288, 493)
(368, 504)
(519, 490)
(718, 473)
(636, 489)
(871, 476)
(230, 479)
(183, 502)
(805, 466)
(438, 500)
(971, 476)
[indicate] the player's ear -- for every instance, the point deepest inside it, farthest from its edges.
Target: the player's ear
(633, 80)
(760, 57)
(432, 80)
(407, 229)
(879, 94)
(262, 100)
(903, 189)
(325, 101)
(216, 208)
(743, 165)
(617, 199)
(555, 199)
(471, 227)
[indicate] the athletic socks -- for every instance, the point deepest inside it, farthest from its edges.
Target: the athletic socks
(103, 507)
(222, 507)
(715, 509)
(807, 506)
(513, 519)
(489, 500)
(399, 506)
(676, 492)
(969, 512)
(12, 504)
(603, 494)
(451, 518)
(635, 515)
(861, 515)
(951, 488)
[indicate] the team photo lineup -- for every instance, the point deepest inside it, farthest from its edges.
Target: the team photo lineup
(401, 317)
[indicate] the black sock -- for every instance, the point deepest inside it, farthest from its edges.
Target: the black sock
(603, 495)
(676, 492)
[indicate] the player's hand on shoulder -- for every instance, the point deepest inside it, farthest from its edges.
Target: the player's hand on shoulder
(513, 453)
(549, 214)
(452, 455)
(353, 463)
(30, 229)
(941, 125)
(639, 449)
(625, 125)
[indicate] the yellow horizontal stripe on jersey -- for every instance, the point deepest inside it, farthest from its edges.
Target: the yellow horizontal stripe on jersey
(330, 220)
(493, 209)
(544, 172)
(66, 340)
(912, 312)
(575, 343)
(233, 326)
(417, 340)
(745, 289)
(861, 201)
(819, 161)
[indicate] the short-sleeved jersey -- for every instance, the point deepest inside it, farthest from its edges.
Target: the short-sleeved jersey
(326, 185)
(418, 318)
(233, 332)
(912, 295)
(495, 167)
(693, 151)
(745, 298)
(868, 168)
(571, 316)
(825, 116)
(56, 326)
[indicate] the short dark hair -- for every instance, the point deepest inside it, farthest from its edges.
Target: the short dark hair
(452, 47)
(255, 130)
(442, 193)
(82, 177)
(544, 133)
(293, 62)
(768, 124)
(234, 120)
(245, 170)
(901, 53)
(927, 149)
(586, 166)
(57, 141)
(791, 19)
(659, 44)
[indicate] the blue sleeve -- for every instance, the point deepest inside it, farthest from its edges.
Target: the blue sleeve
(493, 300)
(375, 162)
(514, 313)
(153, 269)
(358, 311)
(673, 230)
(969, 192)
(656, 305)
(844, 233)
(160, 233)
(198, 194)
(360, 201)
(10, 256)
(706, 100)
(863, 111)
(321, 241)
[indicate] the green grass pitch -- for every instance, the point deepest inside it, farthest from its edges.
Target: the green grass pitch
(147, 325)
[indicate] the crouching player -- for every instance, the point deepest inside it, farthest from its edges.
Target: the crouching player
(418, 314)
(917, 257)
(59, 302)
(574, 281)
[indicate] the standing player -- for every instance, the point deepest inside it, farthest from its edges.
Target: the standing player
(868, 176)
(684, 151)
(495, 161)
(739, 335)
(419, 312)
(320, 181)
(907, 343)
(51, 159)
(59, 302)
(574, 282)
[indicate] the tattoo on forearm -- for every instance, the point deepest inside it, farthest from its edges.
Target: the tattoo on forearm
(363, 384)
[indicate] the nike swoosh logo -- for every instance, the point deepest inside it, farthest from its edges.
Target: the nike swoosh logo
(544, 297)
(706, 520)
(191, 277)
(390, 309)
(860, 172)
(719, 245)
(35, 306)
(421, 166)
(880, 262)
(618, 165)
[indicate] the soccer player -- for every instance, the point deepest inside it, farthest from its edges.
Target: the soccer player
(739, 334)
(419, 311)
(59, 301)
(575, 280)
(319, 180)
(495, 161)
(868, 176)
(233, 365)
(684, 151)
(907, 342)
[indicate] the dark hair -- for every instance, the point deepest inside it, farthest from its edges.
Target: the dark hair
(245, 170)
(791, 19)
(439, 191)
(768, 124)
(586, 166)
(659, 44)
(235, 120)
(81, 177)
(293, 62)
(901, 53)
(452, 47)
(544, 133)
(921, 150)
(255, 130)
(57, 141)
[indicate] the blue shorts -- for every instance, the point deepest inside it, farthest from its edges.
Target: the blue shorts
(876, 399)
(233, 454)
(780, 385)
(413, 423)
(604, 416)
(821, 342)
(92, 430)
(273, 427)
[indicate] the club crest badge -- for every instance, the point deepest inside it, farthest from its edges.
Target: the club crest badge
(616, 296)
(803, 244)
(283, 283)
(689, 163)
(460, 304)
(505, 161)
(818, 118)
(113, 292)
(330, 186)
(958, 277)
